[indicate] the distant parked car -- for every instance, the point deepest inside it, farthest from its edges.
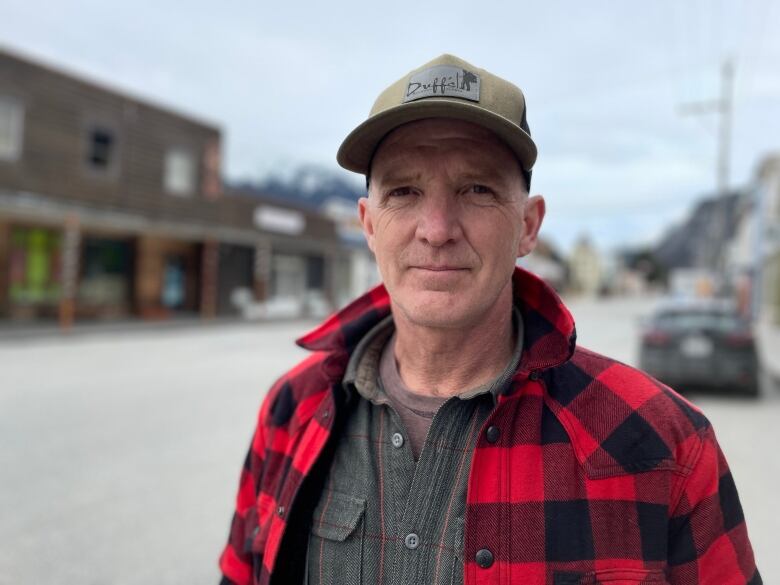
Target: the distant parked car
(701, 345)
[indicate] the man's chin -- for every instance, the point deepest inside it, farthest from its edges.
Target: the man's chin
(438, 280)
(434, 309)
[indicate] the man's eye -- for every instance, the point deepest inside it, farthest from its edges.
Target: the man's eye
(400, 192)
(481, 190)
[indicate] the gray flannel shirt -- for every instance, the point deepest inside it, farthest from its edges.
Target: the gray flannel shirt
(384, 518)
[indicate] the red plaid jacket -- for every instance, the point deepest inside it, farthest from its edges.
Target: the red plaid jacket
(601, 474)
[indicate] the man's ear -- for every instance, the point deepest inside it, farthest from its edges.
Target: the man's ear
(533, 215)
(364, 213)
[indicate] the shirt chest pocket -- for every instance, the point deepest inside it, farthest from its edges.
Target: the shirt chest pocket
(335, 552)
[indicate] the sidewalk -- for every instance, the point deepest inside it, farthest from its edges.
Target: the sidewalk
(16, 332)
(768, 337)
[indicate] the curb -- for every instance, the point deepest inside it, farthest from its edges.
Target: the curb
(10, 334)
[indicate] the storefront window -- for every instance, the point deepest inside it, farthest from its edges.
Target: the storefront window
(35, 262)
(107, 266)
(288, 276)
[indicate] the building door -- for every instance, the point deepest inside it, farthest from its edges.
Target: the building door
(105, 286)
(174, 283)
(236, 272)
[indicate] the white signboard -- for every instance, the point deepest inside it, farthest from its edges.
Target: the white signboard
(280, 220)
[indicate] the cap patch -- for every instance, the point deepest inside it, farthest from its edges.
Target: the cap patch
(443, 81)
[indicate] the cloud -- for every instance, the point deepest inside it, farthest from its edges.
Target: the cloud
(286, 83)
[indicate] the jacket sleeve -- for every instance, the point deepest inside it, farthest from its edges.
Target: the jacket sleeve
(236, 559)
(708, 540)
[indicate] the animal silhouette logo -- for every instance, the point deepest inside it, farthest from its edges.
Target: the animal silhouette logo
(468, 79)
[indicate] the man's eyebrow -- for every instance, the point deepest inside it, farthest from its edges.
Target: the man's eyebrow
(486, 176)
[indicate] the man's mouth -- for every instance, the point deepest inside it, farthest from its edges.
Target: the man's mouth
(439, 267)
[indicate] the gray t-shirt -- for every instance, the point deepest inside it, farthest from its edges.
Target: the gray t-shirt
(417, 410)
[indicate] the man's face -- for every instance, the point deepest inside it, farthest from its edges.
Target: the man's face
(447, 216)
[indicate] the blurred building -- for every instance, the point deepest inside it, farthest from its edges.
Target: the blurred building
(357, 269)
(332, 195)
(585, 268)
(751, 267)
(637, 271)
(112, 207)
(767, 242)
(546, 262)
(701, 241)
(298, 259)
(740, 260)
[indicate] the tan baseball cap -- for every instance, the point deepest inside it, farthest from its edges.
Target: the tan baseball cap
(446, 87)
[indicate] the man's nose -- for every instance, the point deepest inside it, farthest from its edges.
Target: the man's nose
(439, 220)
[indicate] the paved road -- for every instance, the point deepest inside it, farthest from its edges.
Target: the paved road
(121, 451)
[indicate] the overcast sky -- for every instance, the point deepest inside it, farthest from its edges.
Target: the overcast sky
(604, 82)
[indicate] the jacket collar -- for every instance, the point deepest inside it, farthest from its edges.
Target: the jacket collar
(548, 340)
(549, 334)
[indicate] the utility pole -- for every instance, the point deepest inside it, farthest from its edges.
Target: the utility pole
(724, 107)
(712, 255)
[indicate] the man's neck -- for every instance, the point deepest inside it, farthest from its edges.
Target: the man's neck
(448, 362)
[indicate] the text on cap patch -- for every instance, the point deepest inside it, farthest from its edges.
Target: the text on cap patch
(443, 81)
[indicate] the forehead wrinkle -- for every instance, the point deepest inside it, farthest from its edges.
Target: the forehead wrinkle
(466, 165)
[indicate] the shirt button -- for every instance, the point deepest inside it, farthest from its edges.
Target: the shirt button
(534, 375)
(412, 541)
(398, 440)
(484, 558)
(493, 433)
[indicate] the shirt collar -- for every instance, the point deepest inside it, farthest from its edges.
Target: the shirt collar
(362, 374)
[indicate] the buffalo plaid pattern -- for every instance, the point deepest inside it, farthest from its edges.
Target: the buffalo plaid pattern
(600, 474)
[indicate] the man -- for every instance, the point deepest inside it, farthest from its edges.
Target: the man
(447, 428)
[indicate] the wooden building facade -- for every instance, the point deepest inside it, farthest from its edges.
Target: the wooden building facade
(113, 207)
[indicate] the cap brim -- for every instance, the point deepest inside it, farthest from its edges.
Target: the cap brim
(358, 148)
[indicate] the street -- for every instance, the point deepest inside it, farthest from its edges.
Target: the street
(121, 451)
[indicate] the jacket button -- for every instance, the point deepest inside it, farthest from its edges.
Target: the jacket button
(398, 440)
(493, 434)
(484, 558)
(534, 375)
